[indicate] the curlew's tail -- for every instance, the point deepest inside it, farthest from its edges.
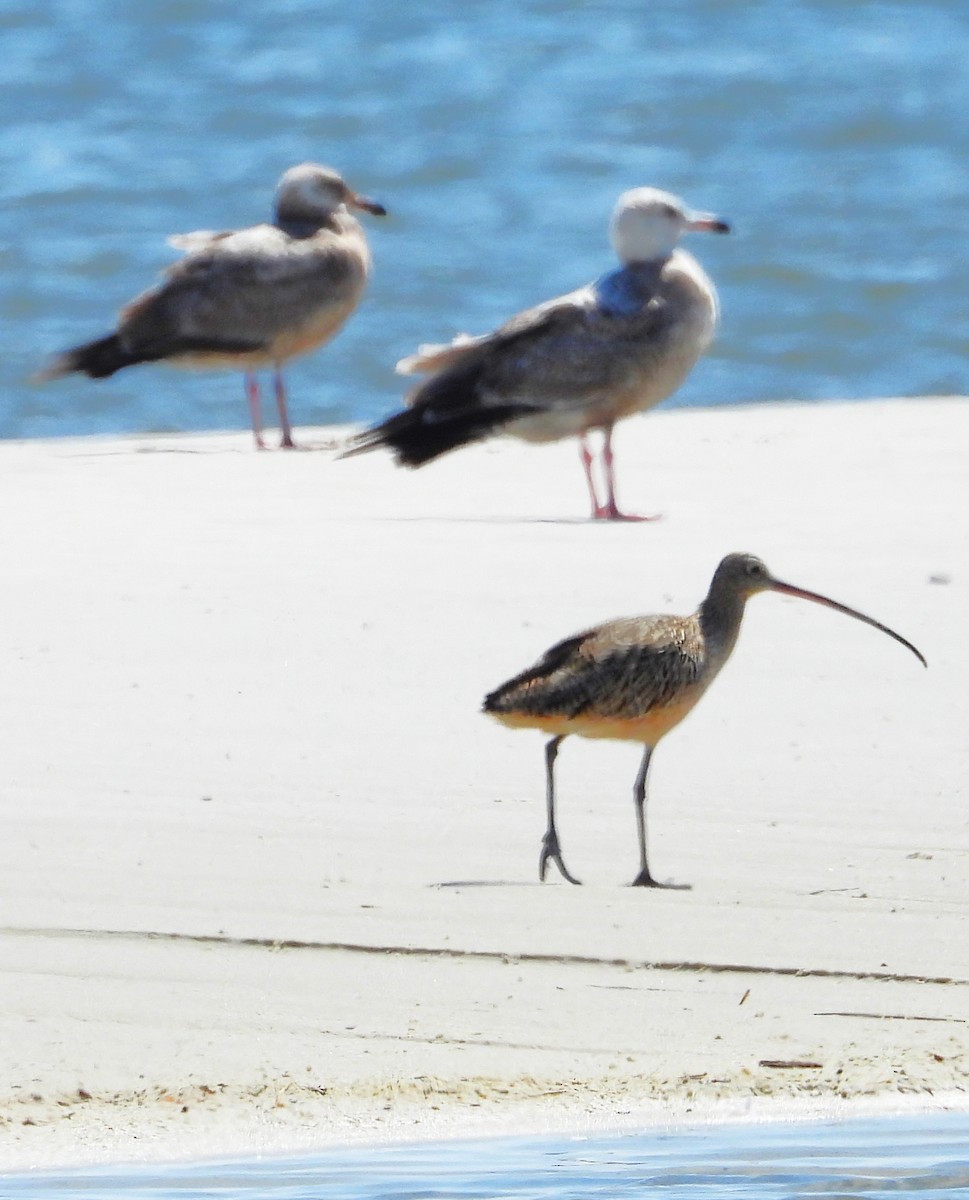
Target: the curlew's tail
(420, 434)
(95, 359)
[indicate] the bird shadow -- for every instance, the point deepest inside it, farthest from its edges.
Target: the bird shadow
(202, 450)
(496, 520)
(483, 883)
(521, 883)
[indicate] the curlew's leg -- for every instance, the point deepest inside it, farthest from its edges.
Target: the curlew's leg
(586, 456)
(255, 412)
(550, 842)
(610, 511)
(286, 442)
(643, 879)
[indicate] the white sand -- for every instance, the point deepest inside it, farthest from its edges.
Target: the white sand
(269, 880)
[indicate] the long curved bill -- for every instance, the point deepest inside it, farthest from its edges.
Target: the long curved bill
(788, 589)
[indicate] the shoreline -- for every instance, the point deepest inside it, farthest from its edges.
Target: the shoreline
(138, 1135)
(268, 881)
(325, 438)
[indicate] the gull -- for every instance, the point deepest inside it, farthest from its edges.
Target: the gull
(636, 678)
(249, 298)
(574, 364)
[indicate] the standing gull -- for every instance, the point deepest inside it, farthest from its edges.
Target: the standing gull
(249, 298)
(635, 679)
(574, 364)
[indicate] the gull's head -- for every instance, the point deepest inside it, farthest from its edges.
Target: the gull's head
(311, 192)
(648, 223)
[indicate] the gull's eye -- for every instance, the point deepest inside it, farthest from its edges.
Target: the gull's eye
(670, 211)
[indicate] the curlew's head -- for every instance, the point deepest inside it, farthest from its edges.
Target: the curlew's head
(647, 224)
(310, 194)
(740, 576)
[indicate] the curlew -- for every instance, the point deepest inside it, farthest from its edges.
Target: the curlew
(250, 298)
(575, 364)
(636, 678)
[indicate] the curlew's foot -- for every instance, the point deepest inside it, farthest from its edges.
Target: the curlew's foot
(644, 879)
(552, 853)
(286, 443)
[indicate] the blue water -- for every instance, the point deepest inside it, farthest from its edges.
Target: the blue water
(927, 1156)
(833, 133)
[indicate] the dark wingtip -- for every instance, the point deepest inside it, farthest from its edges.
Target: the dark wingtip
(358, 444)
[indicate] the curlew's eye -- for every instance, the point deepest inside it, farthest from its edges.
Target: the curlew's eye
(754, 569)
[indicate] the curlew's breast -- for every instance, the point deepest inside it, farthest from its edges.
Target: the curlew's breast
(648, 728)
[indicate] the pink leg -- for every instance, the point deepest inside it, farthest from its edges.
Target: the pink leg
(586, 455)
(286, 442)
(255, 413)
(611, 511)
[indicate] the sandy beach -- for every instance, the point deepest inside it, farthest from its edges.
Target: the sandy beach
(268, 879)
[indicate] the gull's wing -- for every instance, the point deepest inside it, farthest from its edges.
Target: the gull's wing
(246, 289)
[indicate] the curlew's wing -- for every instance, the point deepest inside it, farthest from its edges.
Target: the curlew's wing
(622, 669)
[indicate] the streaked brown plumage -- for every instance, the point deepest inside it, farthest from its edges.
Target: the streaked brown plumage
(250, 298)
(636, 678)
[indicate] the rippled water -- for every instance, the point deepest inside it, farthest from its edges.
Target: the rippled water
(927, 1156)
(833, 133)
